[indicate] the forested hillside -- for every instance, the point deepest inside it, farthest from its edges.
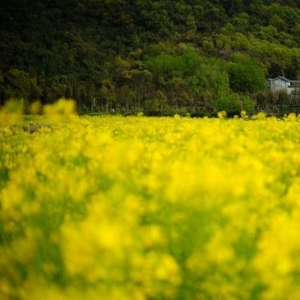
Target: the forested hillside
(195, 56)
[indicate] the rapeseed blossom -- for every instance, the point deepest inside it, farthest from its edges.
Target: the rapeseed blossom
(148, 208)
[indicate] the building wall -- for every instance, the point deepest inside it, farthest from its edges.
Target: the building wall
(279, 84)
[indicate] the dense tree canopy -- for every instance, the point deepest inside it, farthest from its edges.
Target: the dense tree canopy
(146, 55)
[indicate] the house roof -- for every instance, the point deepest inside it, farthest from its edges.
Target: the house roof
(279, 77)
(283, 79)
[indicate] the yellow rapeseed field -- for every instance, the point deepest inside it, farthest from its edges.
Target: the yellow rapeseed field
(143, 208)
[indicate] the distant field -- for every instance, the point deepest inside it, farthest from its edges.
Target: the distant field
(149, 208)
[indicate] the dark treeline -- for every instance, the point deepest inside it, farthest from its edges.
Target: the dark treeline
(155, 56)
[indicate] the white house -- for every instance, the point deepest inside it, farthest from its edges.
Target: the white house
(280, 83)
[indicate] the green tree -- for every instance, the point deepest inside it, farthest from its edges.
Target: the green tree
(283, 102)
(108, 94)
(18, 84)
(1, 89)
(157, 105)
(261, 101)
(246, 76)
(230, 103)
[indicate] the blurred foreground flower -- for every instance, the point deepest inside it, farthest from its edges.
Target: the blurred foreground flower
(11, 113)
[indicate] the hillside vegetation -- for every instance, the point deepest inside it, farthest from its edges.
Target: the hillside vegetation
(154, 56)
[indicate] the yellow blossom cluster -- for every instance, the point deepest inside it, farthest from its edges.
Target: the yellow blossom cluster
(113, 207)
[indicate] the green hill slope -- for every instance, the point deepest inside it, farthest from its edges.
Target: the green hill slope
(147, 55)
